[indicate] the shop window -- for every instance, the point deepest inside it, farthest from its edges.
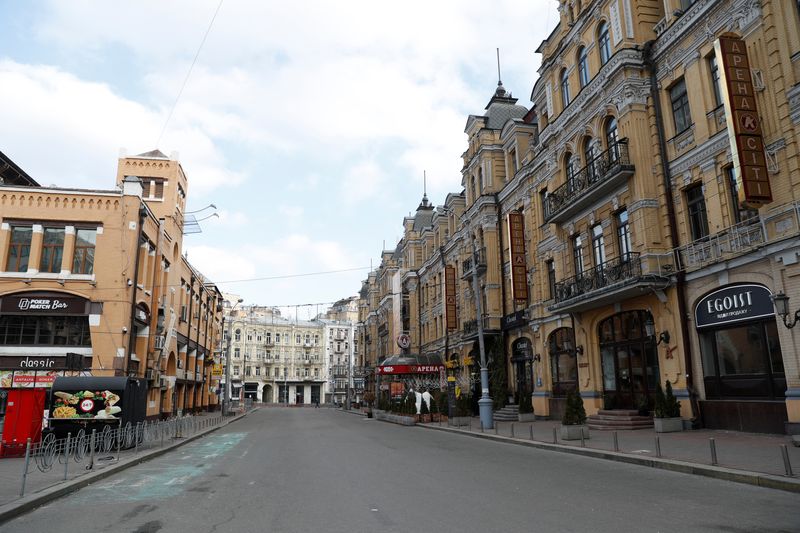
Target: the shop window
(19, 248)
(604, 43)
(680, 107)
(83, 258)
(696, 210)
(45, 330)
(563, 361)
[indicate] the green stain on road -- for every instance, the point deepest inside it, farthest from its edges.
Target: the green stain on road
(157, 480)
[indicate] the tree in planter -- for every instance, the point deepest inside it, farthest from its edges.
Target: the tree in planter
(672, 407)
(574, 413)
(369, 398)
(660, 409)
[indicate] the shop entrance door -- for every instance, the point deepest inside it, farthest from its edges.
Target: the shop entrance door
(629, 361)
(298, 395)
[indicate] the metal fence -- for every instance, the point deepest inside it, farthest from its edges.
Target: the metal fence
(55, 460)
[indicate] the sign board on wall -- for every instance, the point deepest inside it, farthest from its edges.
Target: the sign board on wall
(450, 297)
(519, 268)
(36, 304)
(744, 123)
(734, 303)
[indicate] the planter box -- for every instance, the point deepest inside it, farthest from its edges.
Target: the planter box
(459, 421)
(526, 417)
(574, 432)
(668, 425)
(393, 418)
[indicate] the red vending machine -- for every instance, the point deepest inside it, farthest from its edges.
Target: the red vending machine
(24, 412)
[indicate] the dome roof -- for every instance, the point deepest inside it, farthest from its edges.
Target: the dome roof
(502, 108)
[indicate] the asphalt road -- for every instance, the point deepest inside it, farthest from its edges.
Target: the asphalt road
(307, 470)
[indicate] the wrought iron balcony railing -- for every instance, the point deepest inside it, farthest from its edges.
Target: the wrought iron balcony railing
(601, 173)
(735, 240)
(608, 273)
(469, 263)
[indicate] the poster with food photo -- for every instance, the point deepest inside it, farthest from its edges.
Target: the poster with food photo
(86, 404)
(6, 379)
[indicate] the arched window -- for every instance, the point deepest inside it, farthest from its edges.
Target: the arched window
(563, 361)
(480, 181)
(564, 88)
(569, 168)
(588, 157)
(611, 139)
(604, 43)
(583, 67)
(238, 336)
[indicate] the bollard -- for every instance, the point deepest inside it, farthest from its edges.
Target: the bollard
(555, 436)
(713, 445)
(512, 430)
(531, 431)
(91, 450)
(66, 456)
(616, 442)
(25, 471)
(658, 446)
(787, 465)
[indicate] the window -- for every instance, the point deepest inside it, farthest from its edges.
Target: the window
(237, 353)
(739, 213)
(19, 249)
(696, 206)
(258, 371)
(564, 88)
(249, 337)
(714, 68)
(45, 330)
(277, 338)
(603, 43)
(248, 370)
(83, 258)
(153, 189)
(611, 138)
(297, 339)
(316, 372)
(569, 170)
(588, 155)
(480, 181)
(52, 250)
(543, 201)
(238, 335)
(276, 372)
(316, 339)
(551, 277)
(686, 4)
(583, 67)
(680, 107)
(268, 338)
(623, 235)
(235, 370)
(577, 254)
(598, 245)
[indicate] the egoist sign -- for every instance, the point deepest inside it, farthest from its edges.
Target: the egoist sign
(734, 304)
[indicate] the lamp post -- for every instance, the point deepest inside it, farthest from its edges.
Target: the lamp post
(485, 403)
(781, 303)
(226, 398)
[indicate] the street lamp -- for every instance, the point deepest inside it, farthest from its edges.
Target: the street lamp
(485, 403)
(650, 331)
(226, 398)
(781, 303)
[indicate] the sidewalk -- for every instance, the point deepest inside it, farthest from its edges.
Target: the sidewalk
(746, 457)
(43, 487)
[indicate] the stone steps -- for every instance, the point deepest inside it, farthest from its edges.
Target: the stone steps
(509, 413)
(608, 419)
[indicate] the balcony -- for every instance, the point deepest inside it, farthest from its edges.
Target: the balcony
(491, 325)
(615, 280)
(780, 223)
(597, 179)
(469, 264)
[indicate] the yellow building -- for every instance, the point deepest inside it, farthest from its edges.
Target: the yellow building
(107, 278)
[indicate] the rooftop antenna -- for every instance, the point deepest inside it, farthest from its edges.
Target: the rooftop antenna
(424, 183)
(499, 82)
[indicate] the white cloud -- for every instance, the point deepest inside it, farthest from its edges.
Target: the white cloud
(291, 211)
(232, 219)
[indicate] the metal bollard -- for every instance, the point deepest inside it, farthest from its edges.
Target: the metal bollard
(555, 436)
(787, 465)
(531, 431)
(512, 430)
(713, 445)
(66, 455)
(616, 442)
(25, 471)
(658, 446)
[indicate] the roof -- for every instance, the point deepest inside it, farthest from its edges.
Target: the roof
(158, 154)
(423, 218)
(11, 174)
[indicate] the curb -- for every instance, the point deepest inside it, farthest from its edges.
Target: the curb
(29, 503)
(769, 481)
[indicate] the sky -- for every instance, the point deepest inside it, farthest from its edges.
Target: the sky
(308, 124)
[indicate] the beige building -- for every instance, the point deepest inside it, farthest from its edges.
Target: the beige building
(612, 244)
(101, 273)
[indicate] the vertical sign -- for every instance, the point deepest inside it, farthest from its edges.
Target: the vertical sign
(519, 269)
(744, 125)
(450, 297)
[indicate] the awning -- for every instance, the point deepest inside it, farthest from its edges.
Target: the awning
(411, 364)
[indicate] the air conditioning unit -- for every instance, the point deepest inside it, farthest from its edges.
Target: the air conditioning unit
(159, 342)
(163, 382)
(151, 374)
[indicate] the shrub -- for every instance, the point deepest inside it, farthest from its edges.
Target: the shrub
(672, 407)
(369, 398)
(574, 414)
(660, 409)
